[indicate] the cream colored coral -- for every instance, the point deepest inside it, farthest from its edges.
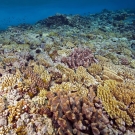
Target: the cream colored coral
(80, 75)
(65, 86)
(9, 59)
(95, 69)
(102, 59)
(70, 87)
(64, 52)
(132, 63)
(67, 71)
(127, 52)
(15, 111)
(48, 123)
(2, 104)
(41, 97)
(70, 45)
(9, 80)
(44, 74)
(39, 100)
(110, 74)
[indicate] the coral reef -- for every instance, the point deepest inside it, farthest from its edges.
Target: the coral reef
(69, 74)
(56, 20)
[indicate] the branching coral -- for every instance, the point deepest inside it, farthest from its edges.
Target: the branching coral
(64, 52)
(35, 79)
(41, 97)
(70, 88)
(15, 111)
(116, 100)
(79, 57)
(83, 77)
(2, 104)
(40, 70)
(44, 59)
(80, 75)
(10, 80)
(9, 60)
(95, 69)
(75, 115)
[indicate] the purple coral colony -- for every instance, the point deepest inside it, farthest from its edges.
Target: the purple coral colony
(69, 75)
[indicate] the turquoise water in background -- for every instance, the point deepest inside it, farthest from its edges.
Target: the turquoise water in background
(14, 12)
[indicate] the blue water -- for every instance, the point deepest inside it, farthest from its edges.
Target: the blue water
(14, 12)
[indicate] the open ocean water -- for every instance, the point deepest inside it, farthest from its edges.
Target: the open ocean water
(67, 67)
(14, 12)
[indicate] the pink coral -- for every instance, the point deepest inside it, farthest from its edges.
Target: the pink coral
(79, 57)
(124, 61)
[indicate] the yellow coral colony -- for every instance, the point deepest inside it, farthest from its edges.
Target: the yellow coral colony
(80, 75)
(44, 75)
(116, 99)
(9, 80)
(110, 74)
